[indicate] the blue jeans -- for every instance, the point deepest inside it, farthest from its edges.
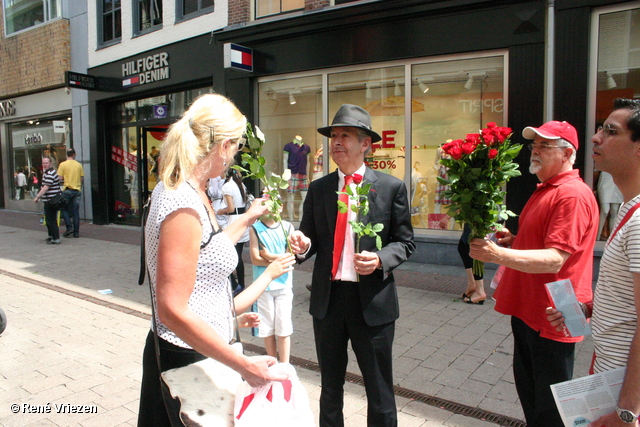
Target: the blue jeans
(72, 210)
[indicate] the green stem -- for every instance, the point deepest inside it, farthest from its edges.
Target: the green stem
(358, 251)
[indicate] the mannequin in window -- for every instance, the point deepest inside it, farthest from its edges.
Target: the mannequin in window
(415, 176)
(296, 159)
(318, 164)
(609, 199)
(440, 189)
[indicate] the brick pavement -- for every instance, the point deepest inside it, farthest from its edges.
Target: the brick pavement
(64, 349)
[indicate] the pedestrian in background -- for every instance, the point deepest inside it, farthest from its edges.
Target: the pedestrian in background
(235, 196)
(50, 188)
(21, 184)
(557, 233)
(71, 174)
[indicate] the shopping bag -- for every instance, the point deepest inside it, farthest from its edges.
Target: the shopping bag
(44, 219)
(202, 393)
(277, 404)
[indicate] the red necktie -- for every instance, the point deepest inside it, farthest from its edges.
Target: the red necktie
(341, 228)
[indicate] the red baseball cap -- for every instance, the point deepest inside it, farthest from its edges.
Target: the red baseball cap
(553, 130)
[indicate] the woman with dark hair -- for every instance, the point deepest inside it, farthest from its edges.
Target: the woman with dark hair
(235, 196)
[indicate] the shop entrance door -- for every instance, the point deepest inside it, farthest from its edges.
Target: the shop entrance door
(135, 157)
(151, 142)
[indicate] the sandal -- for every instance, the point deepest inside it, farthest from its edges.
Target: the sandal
(468, 300)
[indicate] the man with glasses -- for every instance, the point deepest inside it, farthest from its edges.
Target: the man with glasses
(616, 308)
(557, 233)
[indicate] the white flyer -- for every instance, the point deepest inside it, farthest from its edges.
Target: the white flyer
(564, 300)
(584, 400)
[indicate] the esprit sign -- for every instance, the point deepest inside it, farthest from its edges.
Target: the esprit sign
(145, 70)
(7, 108)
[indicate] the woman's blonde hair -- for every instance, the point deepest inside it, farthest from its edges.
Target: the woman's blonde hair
(209, 121)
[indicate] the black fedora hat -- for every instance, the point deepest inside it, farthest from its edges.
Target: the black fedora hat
(351, 116)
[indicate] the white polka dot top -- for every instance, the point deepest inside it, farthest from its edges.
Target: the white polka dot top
(211, 298)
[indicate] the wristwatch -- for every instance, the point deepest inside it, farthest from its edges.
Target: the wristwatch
(626, 416)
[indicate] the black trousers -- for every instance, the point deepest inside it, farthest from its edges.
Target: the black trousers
(239, 269)
(51, 216)
(372, 346)
(537, 363)
(152, 411)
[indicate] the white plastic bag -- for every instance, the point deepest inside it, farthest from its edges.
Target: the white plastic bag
(277, 404)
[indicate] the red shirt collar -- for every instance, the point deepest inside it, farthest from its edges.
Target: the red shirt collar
(560, 178)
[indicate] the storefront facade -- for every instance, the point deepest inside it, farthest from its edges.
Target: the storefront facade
(128, 126)
(426, 71)
(32, 126)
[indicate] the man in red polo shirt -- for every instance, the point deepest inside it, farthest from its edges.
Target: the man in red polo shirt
(557, 232)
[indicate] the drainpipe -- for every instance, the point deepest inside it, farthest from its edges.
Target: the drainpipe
(549, 63)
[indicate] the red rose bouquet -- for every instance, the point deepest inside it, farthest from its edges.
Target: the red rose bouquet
(478, 167)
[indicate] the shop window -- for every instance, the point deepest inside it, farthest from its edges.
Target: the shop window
(110, 21)
(23, 14)
(192, 8)
(290, 113)
(617, 75)
(381, 92)
(441, 99)
(272, 7)
(449, 100)
(148, 15)
(29, 142)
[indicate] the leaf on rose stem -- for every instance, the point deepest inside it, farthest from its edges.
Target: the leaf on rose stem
(378, 227)
(342, 206)
(378, 242)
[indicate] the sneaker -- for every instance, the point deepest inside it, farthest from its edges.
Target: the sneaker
(68, 233)
(53, 242)
(48, 240)
(76, 235)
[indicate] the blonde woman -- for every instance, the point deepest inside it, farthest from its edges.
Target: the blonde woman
(190, 258)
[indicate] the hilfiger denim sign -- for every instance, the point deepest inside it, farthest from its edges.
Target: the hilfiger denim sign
(145, 70)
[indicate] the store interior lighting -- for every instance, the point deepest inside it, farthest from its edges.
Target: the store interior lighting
(469, 83)
(369, 94)
(611, 83)
(423, 87)
(292, 99)
(397, 91)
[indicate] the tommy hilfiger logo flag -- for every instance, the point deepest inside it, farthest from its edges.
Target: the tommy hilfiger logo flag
(238, 57)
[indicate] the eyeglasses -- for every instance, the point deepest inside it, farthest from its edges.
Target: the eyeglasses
(543, 146)
(608, 130)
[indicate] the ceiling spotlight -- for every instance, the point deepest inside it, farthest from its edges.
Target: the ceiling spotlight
(292, 100)
(397, 91)
(611, 83)
(469, 83)
(369, 94)
(423, 87)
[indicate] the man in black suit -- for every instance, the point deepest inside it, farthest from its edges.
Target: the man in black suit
(342, 307)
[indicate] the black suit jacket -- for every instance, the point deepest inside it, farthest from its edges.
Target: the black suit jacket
(388, 205)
